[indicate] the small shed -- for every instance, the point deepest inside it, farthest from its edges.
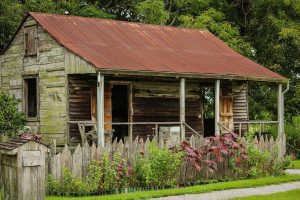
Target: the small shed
(23, 169)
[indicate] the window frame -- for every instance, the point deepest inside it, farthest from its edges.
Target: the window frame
(25, 97)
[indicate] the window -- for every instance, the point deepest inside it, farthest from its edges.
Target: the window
(30, 35)
(31, 97)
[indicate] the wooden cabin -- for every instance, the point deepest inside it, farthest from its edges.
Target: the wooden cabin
(74, 76)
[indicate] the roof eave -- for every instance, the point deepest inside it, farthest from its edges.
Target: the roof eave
(191, 75)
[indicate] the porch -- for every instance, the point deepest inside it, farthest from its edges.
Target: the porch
(103, 108)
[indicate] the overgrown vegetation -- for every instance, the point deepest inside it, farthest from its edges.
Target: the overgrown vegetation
(110, 174)
(11, 120)
(263, 162)
(161, 167)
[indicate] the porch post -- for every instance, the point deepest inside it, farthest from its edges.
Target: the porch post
(280, 110)
(281, 138)
(100, 109)
(217, 107)
(182, 108)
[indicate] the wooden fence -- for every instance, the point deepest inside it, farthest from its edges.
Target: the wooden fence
(78, 160)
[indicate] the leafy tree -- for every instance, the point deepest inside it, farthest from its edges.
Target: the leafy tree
(265, 31)
(274, 30)
(11, 120)
(215, 22)
(152, 11)
(11, 14)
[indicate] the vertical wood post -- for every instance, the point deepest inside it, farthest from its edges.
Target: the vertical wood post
(217, 107)
(280, 111)
(281, 141)
(100, 109)
(182, 108)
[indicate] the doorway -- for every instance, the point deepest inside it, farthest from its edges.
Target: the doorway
(209, 111)
(119, 106)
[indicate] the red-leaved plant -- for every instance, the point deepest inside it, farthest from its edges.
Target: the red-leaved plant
(215, 149)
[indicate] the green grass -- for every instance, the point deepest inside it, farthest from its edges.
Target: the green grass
(295, 164)
(289, 195)
(190, 190)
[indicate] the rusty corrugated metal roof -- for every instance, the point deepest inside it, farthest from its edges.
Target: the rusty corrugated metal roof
(118, 45)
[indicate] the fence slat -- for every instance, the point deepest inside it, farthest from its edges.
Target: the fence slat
(77, 162)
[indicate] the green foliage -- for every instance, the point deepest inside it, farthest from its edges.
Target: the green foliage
(292, 131)
(295, 164)
(11, 120)
(264, 163)
(93, 11)
(152, 11)
(159, 168)
(11, 14)
(215, 22)
(69, 185)
(108, 174)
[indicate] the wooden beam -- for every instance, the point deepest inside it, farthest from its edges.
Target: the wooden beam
(217, 107)
(100, 109)
(182, 108)
(280, 111)
(190, 75)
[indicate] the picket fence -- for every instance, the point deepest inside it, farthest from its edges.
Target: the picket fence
(78, 160)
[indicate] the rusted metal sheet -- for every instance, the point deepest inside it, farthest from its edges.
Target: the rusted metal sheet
(118, 45)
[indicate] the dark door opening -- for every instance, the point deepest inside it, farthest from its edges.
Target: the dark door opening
(119, 111)
(209, 112)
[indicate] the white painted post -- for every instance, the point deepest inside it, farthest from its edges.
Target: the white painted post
(182, 108)
(281, 145)
(217, 107)
(100, 109)
(280, 110)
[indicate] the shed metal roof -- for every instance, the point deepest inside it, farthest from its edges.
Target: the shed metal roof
(15, 143)
(118, 45)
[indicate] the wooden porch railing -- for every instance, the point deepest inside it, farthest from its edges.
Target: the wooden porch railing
(83, 124)
(261, 124)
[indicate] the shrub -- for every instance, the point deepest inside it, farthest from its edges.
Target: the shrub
(292, 131)
(69, 185)
(159, 168)
(264, 163)
(11, 120)
(108, 174)
(216, 149)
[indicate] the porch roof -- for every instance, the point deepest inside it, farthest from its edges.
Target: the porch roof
(136, 47)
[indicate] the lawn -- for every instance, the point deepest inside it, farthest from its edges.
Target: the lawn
(190, 190)
(289, 195)
(295, 164)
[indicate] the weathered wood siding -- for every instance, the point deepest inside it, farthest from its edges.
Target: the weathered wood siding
(80, 93)
(48, 65)
(240, 104)
(159, 102)
(23, 172)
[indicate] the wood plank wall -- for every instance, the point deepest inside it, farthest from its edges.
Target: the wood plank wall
(159, 102)
(240, 104)
(79, 103)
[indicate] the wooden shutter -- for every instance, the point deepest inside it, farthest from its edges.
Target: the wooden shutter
(30, 36)
(226, 110)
